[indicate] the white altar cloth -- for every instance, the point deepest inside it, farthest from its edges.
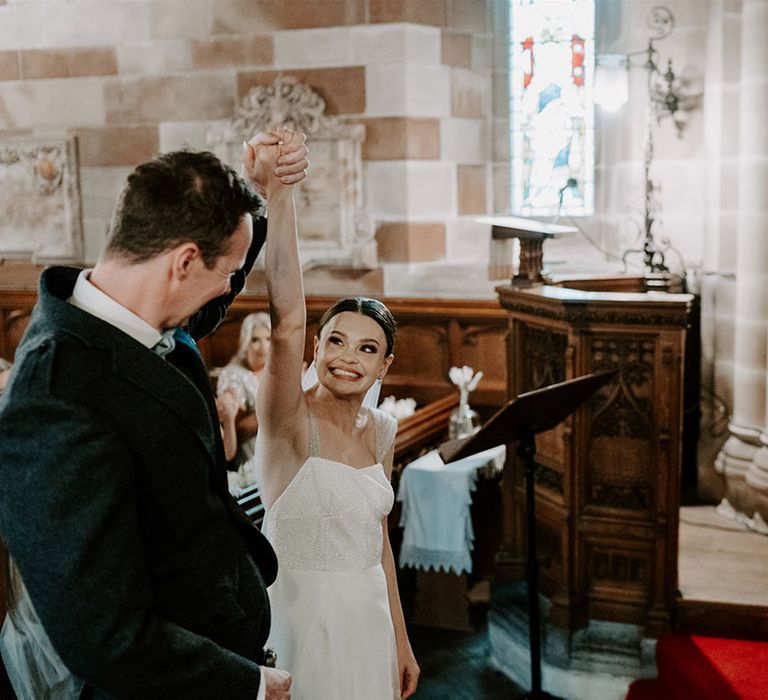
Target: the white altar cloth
(436, 499)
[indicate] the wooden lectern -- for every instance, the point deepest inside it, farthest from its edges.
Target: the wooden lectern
(531, 234)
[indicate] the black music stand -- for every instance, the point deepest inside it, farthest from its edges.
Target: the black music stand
(519, 422)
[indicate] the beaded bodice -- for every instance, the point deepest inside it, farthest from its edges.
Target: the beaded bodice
(329, 516)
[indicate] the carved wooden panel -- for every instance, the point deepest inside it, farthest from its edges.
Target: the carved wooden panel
(545, 359)
(544, 364)
(549, 478)
(609, 474)
(621, 421)
(433, 335)
(612, 567)
(549, 547)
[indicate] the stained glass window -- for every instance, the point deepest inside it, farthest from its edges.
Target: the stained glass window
(552, 116)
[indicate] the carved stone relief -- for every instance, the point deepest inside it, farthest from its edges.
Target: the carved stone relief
(334, 227)
(40, 211)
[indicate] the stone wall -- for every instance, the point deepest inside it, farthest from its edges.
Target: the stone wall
(134, 77)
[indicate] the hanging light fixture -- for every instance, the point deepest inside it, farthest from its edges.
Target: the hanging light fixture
(611, 86)
(666, 95)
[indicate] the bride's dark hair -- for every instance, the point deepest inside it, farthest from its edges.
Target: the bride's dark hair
(372, 308)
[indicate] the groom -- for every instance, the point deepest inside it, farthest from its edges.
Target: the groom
(147, 578)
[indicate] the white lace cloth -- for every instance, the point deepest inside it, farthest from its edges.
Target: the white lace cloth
(436, 499)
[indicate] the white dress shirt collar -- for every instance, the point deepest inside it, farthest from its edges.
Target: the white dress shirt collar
(91, 299)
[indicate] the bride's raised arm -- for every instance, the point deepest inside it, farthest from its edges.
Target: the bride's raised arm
(280, 392)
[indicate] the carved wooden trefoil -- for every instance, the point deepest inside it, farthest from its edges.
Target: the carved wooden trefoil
(544, 357)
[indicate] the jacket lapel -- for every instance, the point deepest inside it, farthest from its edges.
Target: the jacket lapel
(162, 380)
(130, 360)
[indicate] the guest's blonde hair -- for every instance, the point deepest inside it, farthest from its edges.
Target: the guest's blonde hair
(251, 321)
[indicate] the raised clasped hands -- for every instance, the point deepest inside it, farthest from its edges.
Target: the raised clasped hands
(275, 158)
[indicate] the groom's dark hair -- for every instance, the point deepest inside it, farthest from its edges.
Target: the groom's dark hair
(179, 197)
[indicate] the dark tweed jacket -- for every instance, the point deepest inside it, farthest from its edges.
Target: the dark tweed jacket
(113, 502)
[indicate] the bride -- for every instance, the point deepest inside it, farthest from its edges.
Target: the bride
(326, 461)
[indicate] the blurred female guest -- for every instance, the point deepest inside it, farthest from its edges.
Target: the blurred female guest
(240, 379)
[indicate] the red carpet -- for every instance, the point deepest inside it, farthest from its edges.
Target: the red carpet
(706, 668)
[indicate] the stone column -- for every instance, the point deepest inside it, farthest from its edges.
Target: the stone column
(755, 71)
(744, 458)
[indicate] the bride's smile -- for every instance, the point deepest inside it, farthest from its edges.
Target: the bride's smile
(345, 374)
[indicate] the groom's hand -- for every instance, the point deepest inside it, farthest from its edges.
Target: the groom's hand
(281, 154)
(277, 683)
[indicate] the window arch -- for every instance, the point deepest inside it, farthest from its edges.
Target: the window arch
(551, 110)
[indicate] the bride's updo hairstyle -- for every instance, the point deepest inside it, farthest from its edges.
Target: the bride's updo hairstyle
(372, 308)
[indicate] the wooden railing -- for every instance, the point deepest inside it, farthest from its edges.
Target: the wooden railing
(433, 336)
(424, 427)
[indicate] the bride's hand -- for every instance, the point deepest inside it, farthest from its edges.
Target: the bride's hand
(409, 672)
(292, 161)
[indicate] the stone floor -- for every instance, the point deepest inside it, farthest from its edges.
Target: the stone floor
(457, 666)
(720, 560)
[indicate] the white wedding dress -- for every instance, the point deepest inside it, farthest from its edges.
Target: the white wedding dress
(331, 622)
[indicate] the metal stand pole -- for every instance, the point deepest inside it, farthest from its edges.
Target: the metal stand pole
(526, 449)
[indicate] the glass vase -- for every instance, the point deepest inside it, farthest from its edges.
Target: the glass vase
(464, 421)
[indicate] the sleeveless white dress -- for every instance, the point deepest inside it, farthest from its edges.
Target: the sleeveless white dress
(331, 622)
